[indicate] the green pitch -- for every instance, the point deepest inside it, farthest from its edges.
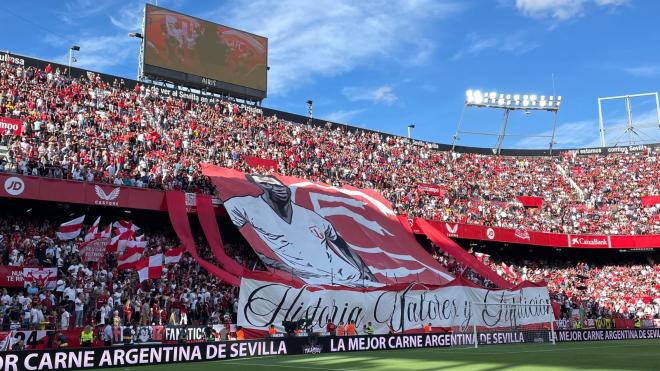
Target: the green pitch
(613, 355)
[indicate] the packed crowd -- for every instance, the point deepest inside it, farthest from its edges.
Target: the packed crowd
(600, 290)
(99, 293)
(99, 131)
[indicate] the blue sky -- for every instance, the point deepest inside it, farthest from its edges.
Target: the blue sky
(385, 64)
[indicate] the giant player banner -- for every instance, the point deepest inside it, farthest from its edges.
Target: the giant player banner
(323, 235)
(403, 307)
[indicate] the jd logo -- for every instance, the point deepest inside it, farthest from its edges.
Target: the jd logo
(14, 186)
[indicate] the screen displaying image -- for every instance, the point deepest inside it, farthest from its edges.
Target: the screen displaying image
(186, 44)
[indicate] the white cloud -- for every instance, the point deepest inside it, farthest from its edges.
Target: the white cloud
(129, 18)
(649, 70)
(77, 10)
(381, 94)
(100, 52)
(569, 135)
(516, 43)
(561, 10)
(342, 116)
(308, 39)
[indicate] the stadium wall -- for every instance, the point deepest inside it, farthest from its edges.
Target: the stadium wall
(138, 355)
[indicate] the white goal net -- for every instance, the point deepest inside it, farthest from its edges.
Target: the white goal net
(494, 323)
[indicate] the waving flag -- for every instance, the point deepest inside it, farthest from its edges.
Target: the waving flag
(173, 256)
(70, 229)
(107, 232)
(129, 258)
(122, 226)
(93, 232)
(150, 268)
(118, 243)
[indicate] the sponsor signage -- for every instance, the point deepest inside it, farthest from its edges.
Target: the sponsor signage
(58, 190)
(557, 240)
(588, 241)
(602, 335)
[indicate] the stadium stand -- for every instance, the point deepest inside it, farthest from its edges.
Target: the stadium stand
(95, 131)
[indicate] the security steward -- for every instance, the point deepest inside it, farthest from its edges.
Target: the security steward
(86, 337)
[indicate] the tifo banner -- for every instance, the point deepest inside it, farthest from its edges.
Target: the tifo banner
(94, 250)
(263, 303)
(10, 126)
(321, 234)
(41, 277)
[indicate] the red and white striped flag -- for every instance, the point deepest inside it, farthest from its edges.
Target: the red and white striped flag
(93, 232)
(107, 232)
(123, 226)
(118, 243)
(70, 229)
(150, 268)
(508, 271)
(136, 245)
(173, 256)
(130, 257)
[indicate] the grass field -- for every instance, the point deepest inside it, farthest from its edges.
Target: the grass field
(613, 355)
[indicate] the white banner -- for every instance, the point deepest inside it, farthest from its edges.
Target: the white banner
(262, 303)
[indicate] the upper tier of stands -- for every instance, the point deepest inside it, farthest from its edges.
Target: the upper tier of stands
(93, 130)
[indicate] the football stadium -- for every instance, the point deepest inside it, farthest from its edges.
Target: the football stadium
(181, 221)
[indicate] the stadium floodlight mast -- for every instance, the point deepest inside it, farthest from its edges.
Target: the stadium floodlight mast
(72, 58)
(631, 128)
(410, 129)
(507, 103)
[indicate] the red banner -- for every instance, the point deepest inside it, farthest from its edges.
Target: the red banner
(530, 201)
(431, 189)
(650, 200)
(257, 162)
(57, 190)
(10, 126)
(11, 276)
(321, 234)
(94, 250)
(524, 237)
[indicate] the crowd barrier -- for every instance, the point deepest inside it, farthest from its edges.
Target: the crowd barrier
(152, 354)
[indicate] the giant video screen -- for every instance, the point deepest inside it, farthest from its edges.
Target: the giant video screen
(184, 45)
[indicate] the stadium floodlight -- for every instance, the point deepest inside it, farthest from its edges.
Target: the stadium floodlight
(135, 35)
(410, 129)
(510, 102)
(73, 48)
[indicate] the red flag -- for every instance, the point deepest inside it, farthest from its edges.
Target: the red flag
(71, 229)
(150, 268)
(173, 256)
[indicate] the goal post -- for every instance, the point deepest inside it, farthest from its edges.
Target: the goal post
(495, 323)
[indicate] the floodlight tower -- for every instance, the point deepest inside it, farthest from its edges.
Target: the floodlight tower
(631, 128)
(508, 103)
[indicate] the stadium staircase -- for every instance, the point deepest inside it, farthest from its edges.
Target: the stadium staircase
(570, 181)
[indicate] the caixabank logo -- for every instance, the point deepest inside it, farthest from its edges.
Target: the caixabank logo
(589, 241)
